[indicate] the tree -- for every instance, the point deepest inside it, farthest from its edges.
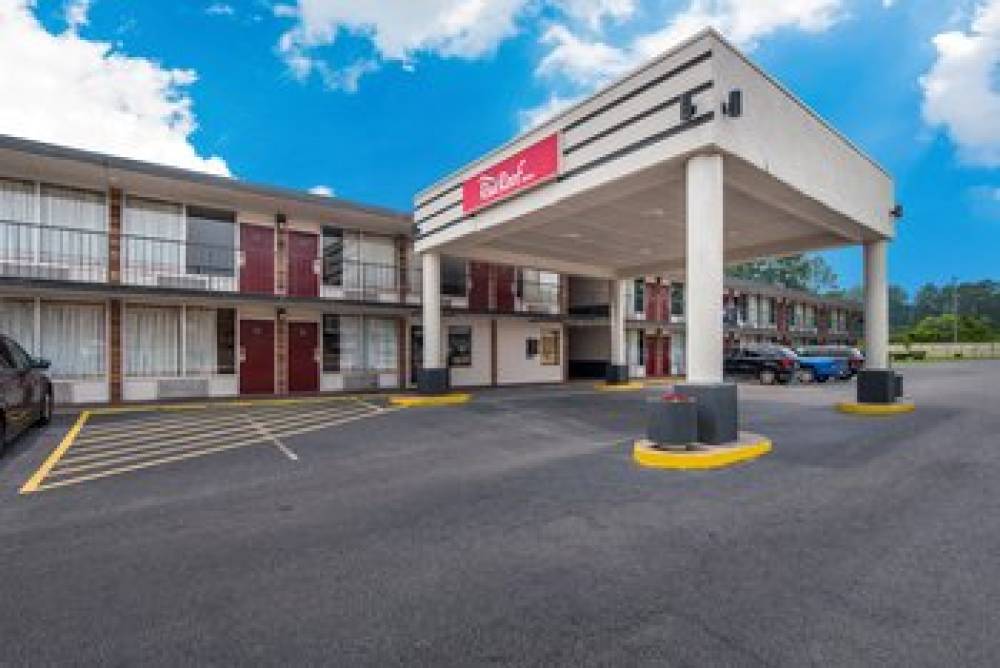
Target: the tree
(941, 329)
(801, 272)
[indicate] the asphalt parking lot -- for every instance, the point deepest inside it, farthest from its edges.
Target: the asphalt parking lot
(513, 530)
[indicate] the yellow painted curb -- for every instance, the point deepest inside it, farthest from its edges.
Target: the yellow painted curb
(855, 408)
(424, 401)
(646, 455)
(55, 455)
(619, 387)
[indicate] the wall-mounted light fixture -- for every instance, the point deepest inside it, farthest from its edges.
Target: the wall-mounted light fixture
(281, 220)
(733, 106)
(688, 107)
(897, 211)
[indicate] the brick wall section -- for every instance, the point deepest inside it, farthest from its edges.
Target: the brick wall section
(115, 351)
(115, 236)
(281, 352)
(281, 255)
(401, 365)
(403, 270)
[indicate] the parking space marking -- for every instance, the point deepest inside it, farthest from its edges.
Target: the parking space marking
(36, 479)
(92, 450)
(262, 430)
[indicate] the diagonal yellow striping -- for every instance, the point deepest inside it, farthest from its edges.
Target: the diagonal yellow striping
(192, 454)
(87, 444)
(35, 480)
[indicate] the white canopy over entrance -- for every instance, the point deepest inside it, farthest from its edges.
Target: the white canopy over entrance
(695, 160)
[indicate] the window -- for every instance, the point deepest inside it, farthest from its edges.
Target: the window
(73, 339)
(74, 226)
(352, 344)
(154, 236)
(531, 348)
(18, 215)
(677, 299)
(211, 242)
(460, 346)
(743, 308)
(538, 287)
(152, 341)
(17, 320)
(453, 277)
(381, 344)
(226, 341)
(354, 261)
(551, 353)
(331, 343)
(210, 346)
(639, 296)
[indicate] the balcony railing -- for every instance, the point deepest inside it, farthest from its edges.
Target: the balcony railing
(171, 263)
(43, 252)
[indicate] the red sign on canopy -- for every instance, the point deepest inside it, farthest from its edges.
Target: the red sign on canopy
(529, 167)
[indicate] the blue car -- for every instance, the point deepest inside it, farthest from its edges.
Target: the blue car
(820, 368)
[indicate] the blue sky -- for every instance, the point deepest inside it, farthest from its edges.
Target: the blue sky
(376, 100)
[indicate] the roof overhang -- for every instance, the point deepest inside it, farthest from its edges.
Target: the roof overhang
(25, 159)
(616, 205)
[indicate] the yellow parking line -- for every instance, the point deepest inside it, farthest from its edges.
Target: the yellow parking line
(86, 450)
(93, 436)
(147, 464)
(153, 408)
(191, 455)
(35, 480)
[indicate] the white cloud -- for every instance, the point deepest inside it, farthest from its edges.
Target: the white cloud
(594, 12)
(531, 118)
(584, 63)
(322, 191)
(67, 90)
(397, 29)
(220, 9)
(76, 13)
(961, 90)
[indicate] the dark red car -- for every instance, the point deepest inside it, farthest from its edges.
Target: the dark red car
(25, 391)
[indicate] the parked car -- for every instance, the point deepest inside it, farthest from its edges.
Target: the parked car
(768, 364)
(25, 391)
(819, 368)
(855, 360)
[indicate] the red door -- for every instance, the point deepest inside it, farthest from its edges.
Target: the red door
(652, 357)
(303, 258)
(479, 291)
(506, 277)
(256, 357)
(257, 270)
(303, 367)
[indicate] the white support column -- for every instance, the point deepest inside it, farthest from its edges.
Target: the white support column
(705, 268)
(431, 276)
(617, 306)
(876, 304)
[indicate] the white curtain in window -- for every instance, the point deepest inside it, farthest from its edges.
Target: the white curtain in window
(17, 220)
(380, 343)
(352, 260)
(74, 226)
(73, 339)
(152, 341)
(154, 237)
(379, 257)
(202, 342)
(351, 348)
(17, 320)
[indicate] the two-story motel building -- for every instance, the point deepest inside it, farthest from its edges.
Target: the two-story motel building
(142, 282)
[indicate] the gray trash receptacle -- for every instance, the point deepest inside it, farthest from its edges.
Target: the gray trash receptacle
(673, 420)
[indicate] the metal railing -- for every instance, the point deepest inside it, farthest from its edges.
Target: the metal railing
(45, 252)
(173, 263)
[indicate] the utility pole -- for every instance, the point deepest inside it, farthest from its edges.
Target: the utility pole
(954, 307)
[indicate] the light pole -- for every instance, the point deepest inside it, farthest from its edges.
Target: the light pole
(954, 308)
